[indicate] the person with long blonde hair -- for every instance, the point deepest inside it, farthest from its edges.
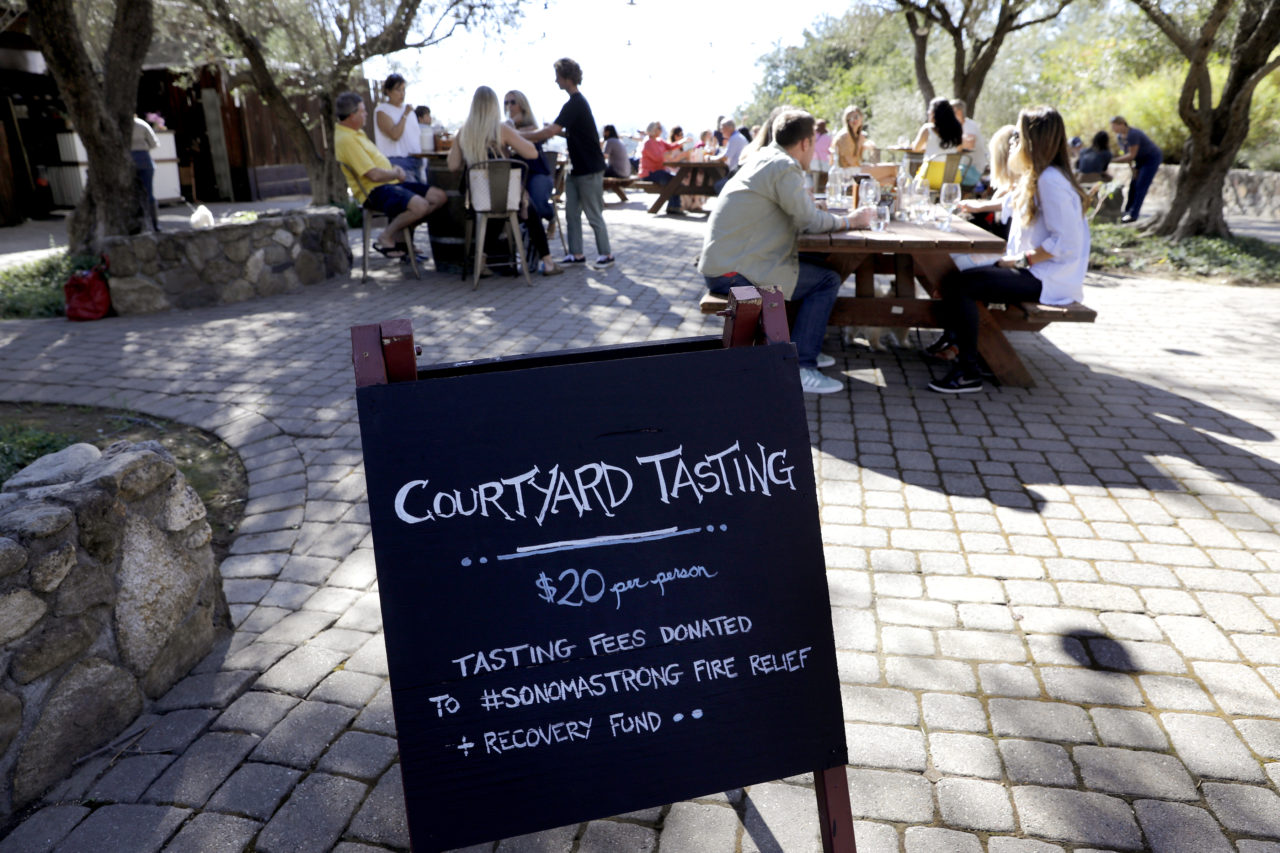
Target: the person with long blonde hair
(851, 143)
(539, 181)
(1047, 253)
(484, 136)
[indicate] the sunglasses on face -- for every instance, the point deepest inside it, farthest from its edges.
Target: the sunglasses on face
(509, 103)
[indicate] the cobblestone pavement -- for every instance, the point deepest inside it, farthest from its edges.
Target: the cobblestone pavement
(1055, 608)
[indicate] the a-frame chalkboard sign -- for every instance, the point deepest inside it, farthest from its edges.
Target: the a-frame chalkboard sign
(602, 582)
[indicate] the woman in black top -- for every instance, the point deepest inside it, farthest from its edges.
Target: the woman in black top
(1095, 159)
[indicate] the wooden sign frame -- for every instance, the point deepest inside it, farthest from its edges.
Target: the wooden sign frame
(384, 353)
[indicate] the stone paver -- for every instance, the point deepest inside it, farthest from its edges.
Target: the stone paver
(1054, 608)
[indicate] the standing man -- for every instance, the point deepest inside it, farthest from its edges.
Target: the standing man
(972, 140)
(751, 240)
(405, 203)
(584, 188)
(1136, 147)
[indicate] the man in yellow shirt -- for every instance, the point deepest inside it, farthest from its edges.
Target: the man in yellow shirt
(404, 202)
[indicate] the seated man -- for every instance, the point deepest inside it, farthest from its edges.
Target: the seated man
(734, 144)
(751, 240)
(405, 203)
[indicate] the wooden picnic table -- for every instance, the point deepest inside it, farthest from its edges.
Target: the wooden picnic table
(862, 254)
(690, 179)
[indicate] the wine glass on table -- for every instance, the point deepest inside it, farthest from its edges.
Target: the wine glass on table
(949, 197)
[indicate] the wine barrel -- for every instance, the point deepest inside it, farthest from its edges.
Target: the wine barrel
(447, 224)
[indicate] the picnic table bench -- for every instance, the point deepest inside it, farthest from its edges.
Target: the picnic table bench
(862, 254)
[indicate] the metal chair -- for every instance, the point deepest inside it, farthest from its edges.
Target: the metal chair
(368, 216)
(494, 190)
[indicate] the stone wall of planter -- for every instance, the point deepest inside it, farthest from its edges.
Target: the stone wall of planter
(108, 596)
(232, 262)
(1245, 193)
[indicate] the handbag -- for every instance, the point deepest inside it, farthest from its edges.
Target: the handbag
(86, 294)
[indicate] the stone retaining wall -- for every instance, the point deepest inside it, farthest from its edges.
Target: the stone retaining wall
(108, 596)
(1245, 193)
(232, 262)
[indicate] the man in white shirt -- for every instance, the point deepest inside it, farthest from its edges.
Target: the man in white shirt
(973, 140)
(734, 144)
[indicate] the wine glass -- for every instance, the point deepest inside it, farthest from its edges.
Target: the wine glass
(920, 194)
(949, 197)
(868, 193)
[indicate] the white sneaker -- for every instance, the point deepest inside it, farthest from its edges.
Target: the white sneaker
(825, 360)
(813, 382)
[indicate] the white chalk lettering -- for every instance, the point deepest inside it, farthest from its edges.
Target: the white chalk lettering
(701, 629)
(631, 724)
(629, 680)
(710, 670)
(514, 656)
(785, 662)
(660, 580)
(496, 743)
(608, 644)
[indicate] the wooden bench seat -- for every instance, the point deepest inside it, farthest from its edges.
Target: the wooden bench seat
(619, 186)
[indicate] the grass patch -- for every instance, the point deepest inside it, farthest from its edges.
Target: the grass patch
(1239, 260)
(20, 445)
(34, 289)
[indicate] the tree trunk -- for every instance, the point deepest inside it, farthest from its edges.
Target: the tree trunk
(1197, 206)
(920, 41)
(101, 110)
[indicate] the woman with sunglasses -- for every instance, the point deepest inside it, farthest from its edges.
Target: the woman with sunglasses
(1047, 253)
(540, 180)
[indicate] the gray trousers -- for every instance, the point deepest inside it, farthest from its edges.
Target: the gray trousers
(585, 194)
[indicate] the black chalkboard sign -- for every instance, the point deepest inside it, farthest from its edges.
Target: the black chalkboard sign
(602, 584)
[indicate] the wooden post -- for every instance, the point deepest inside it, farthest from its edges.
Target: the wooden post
(754, 317)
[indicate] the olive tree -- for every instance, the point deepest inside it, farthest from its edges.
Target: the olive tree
(1215, 131)
(100, 98)
(314, 47)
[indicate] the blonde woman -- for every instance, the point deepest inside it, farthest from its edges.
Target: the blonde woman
(851, 144)
(484, 136)
(539, 181)
(1048, 248)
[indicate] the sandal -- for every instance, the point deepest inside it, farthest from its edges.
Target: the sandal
(397, 251)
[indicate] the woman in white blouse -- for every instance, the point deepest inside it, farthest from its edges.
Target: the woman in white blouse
(1048, 249)
(395, 129)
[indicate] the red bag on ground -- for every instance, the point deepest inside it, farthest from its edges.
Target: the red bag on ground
(87, 295)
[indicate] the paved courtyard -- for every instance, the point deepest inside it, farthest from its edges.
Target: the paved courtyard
(1055, 608)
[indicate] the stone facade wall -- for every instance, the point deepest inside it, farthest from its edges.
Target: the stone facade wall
(1246, 193)
(231, 262)
(108, 596)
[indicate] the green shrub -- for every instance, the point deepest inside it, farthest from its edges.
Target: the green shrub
(34, 289)
(1239, 260)
(22, 445)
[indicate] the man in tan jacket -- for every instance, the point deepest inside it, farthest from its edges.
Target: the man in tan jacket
(752, 240)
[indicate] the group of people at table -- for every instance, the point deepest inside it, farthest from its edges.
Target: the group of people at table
(390, 184)
(764, 204)
(751, 239)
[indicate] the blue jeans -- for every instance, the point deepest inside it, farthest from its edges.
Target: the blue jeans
(585, 194)
(412, 167)
(1142, 177)
(815, 296)
(540, 195)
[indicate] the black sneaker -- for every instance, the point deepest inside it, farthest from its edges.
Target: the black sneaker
(944, 340)
(961, 380)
